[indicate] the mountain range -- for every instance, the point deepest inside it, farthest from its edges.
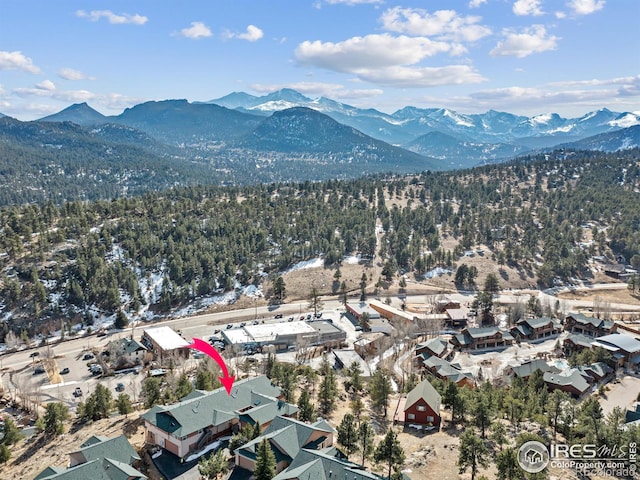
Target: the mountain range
(286, 136)
(456, 140)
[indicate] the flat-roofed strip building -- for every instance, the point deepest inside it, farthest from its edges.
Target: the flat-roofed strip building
(284, 335)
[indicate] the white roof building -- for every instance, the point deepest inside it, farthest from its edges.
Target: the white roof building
(164, 341)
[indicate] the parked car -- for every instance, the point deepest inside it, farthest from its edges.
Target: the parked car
(77, 392)
(39, 369)
(120, 387)
(229, 326)
(278, 315)
(64, 371)
(87, 356)
(34, 354)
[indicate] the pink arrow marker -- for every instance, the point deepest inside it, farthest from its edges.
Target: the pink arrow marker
(204, 347)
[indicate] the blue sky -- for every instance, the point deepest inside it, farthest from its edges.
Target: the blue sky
(521, 56)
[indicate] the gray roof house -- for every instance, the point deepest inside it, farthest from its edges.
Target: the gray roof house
(527, 368)
(287, 437)
(446, 370)
(482, 338)
(625, 348)
(325, 464)
(570, 381)
(99, 458)
(594, 327)
(536, 328)
(436, 346)
(201, 417)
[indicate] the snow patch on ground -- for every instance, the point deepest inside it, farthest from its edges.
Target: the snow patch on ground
(436, 272)
(313, 263)
(352, 259)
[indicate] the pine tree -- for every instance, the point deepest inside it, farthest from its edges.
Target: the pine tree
(265, 462)
(348, 434)
(121, 320)
(365, 437)
(328, 392)
(306, 410)
(184, 386)
(55, 416)
(5, 453)
(507, 463)
(123, 402)
(11, 432)
(214, 466)
(390, 452)
(472, 453)
(380, 390)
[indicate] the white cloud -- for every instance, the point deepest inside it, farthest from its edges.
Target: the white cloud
(585, 7)
(446, 24)
(196, 31)
(527, 7)
(252, 34)
(46, 85)
(72, 74)
(123, 18)
(531, 40)
(369, 52)
(567, 98)
(17, 61)
(597, 82)
(476, 3)
(416, 77)
(48, 89)
(387, 60)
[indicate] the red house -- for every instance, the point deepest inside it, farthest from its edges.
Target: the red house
(423, 405)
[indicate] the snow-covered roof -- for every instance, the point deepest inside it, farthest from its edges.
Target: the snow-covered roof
(166, 338)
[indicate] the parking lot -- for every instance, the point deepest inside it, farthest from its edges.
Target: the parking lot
(68, 369)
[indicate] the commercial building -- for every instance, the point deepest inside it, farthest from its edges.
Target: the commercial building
(165, 343)
(284, 335)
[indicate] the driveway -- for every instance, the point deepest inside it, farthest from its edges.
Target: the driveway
(622, 394)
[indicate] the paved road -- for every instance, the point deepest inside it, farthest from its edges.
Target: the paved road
(69, 353)
(622, 394)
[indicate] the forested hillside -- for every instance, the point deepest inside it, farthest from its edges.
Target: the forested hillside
(544, 216)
